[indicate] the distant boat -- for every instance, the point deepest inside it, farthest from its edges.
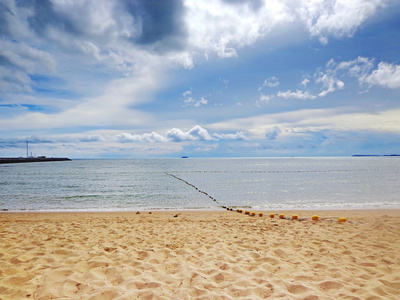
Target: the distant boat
(184, 157)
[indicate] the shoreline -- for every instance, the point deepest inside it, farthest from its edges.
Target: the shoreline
(264, 211)
(200, 255)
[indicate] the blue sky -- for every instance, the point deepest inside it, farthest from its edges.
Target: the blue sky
(228, 78)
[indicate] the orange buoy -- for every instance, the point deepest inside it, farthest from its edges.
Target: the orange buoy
(272, 215)
(247, 212)
(295, 217)
(253, 214)
(260, 214)
(281, 216)
(341, 220)
(315, 218)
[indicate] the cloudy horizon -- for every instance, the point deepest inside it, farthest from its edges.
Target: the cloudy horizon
(226, 78)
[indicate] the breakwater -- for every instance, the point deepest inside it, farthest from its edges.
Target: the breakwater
(13, 160)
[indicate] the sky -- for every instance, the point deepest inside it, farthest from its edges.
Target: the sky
(209, 78)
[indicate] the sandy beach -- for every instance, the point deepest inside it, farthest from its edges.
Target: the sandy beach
(200, 255)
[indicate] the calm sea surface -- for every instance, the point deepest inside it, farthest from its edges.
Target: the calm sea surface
(162, 184)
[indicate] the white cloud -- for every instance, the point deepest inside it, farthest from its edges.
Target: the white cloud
(330, 83)
(387, 75)
(146, 137)
(196, 133)
(269, 82)
(231, 136)
(362, 68)
(219, 27)
(333, 77)
(187, 94)
(336, 17)
(190, 101)
(266, 98)
(202, 101)
(297, 95)
(358, 68)
(305, 82)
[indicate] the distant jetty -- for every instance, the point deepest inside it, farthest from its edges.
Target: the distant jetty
(368, 155)
(14, 160)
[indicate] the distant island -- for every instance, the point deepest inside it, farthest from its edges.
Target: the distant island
(14, 160)
(361, 155)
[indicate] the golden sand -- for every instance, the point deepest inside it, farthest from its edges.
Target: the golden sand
(200, 255)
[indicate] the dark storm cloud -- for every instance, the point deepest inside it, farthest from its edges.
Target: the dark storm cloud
(161, 22)
(158, 25)
(45, 16)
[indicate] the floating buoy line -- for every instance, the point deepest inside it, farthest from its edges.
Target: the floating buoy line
(314, 218)
(195, 187)
(282, 216)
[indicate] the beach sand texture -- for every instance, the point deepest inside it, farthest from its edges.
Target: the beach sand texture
(200, 255)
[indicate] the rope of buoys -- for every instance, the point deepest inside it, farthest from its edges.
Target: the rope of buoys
(197, 189)
(282, 216)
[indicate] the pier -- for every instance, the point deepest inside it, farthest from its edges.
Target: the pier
(14, 160)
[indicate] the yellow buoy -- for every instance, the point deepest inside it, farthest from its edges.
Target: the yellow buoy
(260, 214)
(247, 212)
(281, 216)
(272, 215)
(341, 220)
(253, 214)
(295, 217)
(315, 218)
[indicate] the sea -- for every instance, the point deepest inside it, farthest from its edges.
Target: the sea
(201, 184)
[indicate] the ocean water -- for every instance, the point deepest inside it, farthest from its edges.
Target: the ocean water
(171, 184)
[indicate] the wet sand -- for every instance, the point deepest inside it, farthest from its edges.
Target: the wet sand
(200, 255)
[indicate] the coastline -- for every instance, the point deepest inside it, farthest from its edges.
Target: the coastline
(200, 255)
